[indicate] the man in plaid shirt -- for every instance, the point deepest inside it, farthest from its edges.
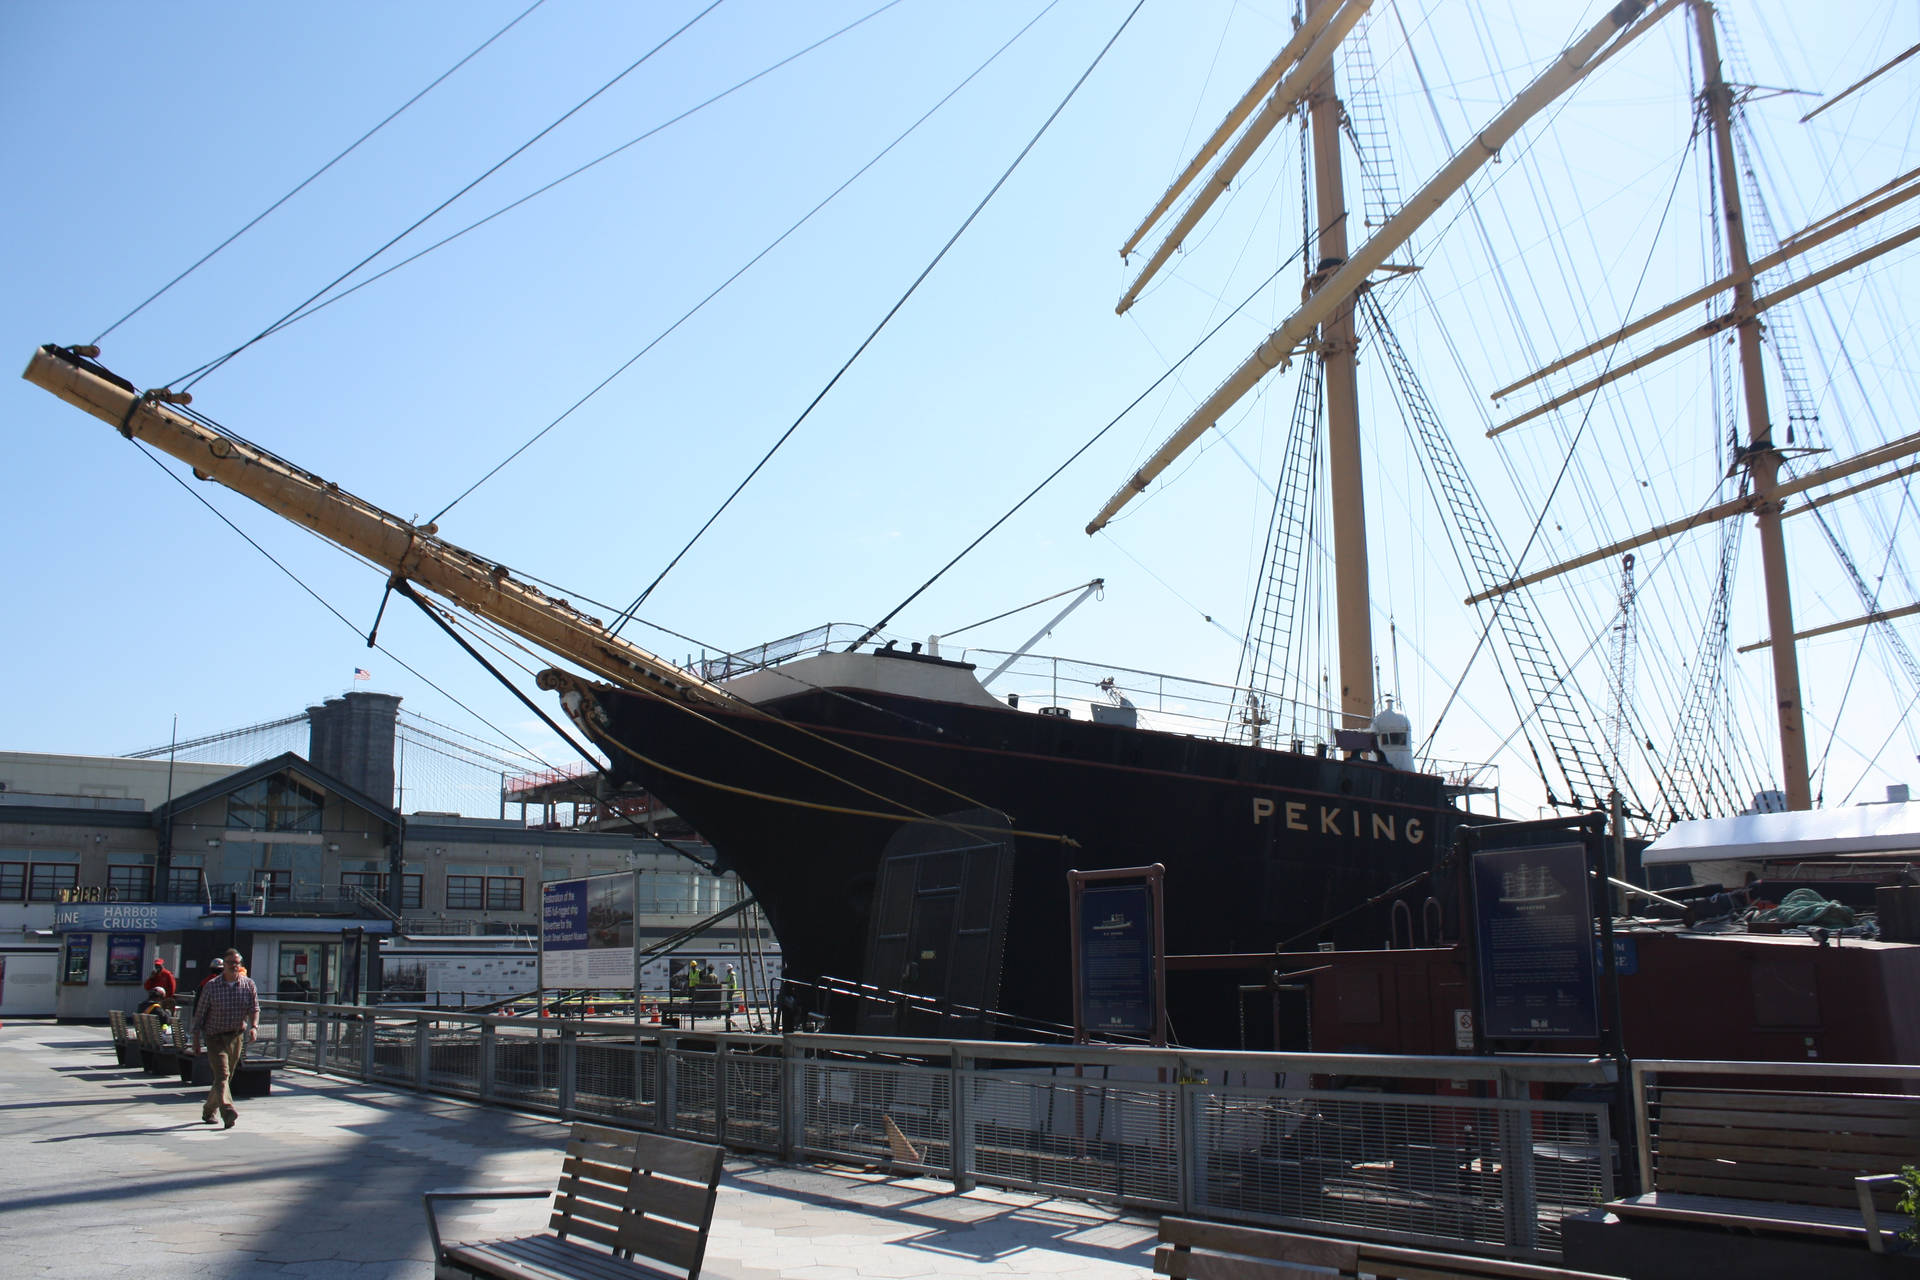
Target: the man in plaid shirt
(226, 1013)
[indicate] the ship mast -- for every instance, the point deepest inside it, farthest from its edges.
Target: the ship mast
(1761, 456)
(1337, 350)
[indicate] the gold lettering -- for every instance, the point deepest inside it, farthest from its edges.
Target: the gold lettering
(1414, 831)
(1262, 809)
(1382, 826)
(1328, 820)
(1296, 820)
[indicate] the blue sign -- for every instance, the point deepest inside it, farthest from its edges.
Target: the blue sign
(128, 917)
(563, 916)
(586, 932)
(1116, 960)
(79, 959)
(1535, 944)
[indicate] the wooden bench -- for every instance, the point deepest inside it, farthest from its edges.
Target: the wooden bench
(157, 1055)
(1777, 1161)
(628, 1204)
(126, 1049)
(1194, 1250)
(252, 1077)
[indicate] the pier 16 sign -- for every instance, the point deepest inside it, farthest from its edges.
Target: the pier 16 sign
(586, 932)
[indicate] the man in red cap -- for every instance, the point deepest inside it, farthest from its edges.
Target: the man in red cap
(161, 983)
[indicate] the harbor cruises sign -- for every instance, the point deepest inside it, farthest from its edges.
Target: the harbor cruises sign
(586, 932)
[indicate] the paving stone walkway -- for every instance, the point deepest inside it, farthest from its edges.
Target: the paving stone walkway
(107, 1172)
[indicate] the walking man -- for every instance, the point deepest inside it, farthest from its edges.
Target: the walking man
(226, 1014)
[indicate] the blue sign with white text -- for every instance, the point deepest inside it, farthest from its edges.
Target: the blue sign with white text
(1535, 944)
(1116, 959)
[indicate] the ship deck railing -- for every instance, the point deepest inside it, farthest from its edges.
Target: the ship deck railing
(1448, 1152)
(1163, 702)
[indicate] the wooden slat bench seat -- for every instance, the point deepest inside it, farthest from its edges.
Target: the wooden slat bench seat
(1778, 1161)
(1194, 1250)
(628, 1204)
(126, 1049)
(157, 1054)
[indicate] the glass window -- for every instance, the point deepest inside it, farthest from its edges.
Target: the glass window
(46, 880)
(505, 893)
(130, 884)
(276, 883)
(13, 881)
(466, 893)
(275, 804)
(183, 884)
(412, 887)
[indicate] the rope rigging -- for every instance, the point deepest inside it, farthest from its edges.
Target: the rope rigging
(1047, 124)
(309, 179)
(744, 267)
(194, 376)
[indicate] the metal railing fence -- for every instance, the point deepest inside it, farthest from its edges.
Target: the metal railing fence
(1454, 1152)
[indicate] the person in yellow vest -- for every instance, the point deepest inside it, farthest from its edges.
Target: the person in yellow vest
(732, 984)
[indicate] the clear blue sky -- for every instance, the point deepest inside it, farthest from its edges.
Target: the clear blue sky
(141, 135)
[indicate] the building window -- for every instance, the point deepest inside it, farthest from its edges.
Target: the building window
(130, 884)
(275, 804)
(47, 879)
(275, 882)
(505, 893)
(412, 887)
(466, 893)
(13, 881)
(183, 884)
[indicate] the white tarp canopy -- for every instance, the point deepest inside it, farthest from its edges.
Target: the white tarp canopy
(1867, 830)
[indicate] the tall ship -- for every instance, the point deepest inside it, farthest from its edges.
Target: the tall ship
(909, 820)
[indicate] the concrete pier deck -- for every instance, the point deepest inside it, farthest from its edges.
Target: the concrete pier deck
(105, 1172)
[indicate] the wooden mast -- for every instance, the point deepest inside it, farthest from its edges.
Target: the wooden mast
(1342, 391)
(1761, 455)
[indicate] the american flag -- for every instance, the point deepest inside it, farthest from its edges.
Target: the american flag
(361, 673)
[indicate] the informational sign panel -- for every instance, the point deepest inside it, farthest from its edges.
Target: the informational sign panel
(79, 959)
(1535, 944)
(125, 951)
(1117, 962)
(586, 932)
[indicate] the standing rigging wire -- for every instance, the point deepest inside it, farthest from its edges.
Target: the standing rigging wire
(305, 182)
(192, 377)
(1034, 141)
(750, 262)
(1581, 300)
(325, 604)
(529, 752)
(1073, 458)
(571, 174)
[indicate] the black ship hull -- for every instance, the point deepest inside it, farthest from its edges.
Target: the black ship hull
(1260, 846)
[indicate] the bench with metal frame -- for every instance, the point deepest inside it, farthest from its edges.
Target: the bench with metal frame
(1194, 1250)
(627, 1205)
(1811, 1162)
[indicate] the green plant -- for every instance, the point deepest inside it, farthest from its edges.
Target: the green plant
(1909, 1201)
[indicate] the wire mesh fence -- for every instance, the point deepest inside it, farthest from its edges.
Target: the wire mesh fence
(1060, 1133)
(1416, 1154)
